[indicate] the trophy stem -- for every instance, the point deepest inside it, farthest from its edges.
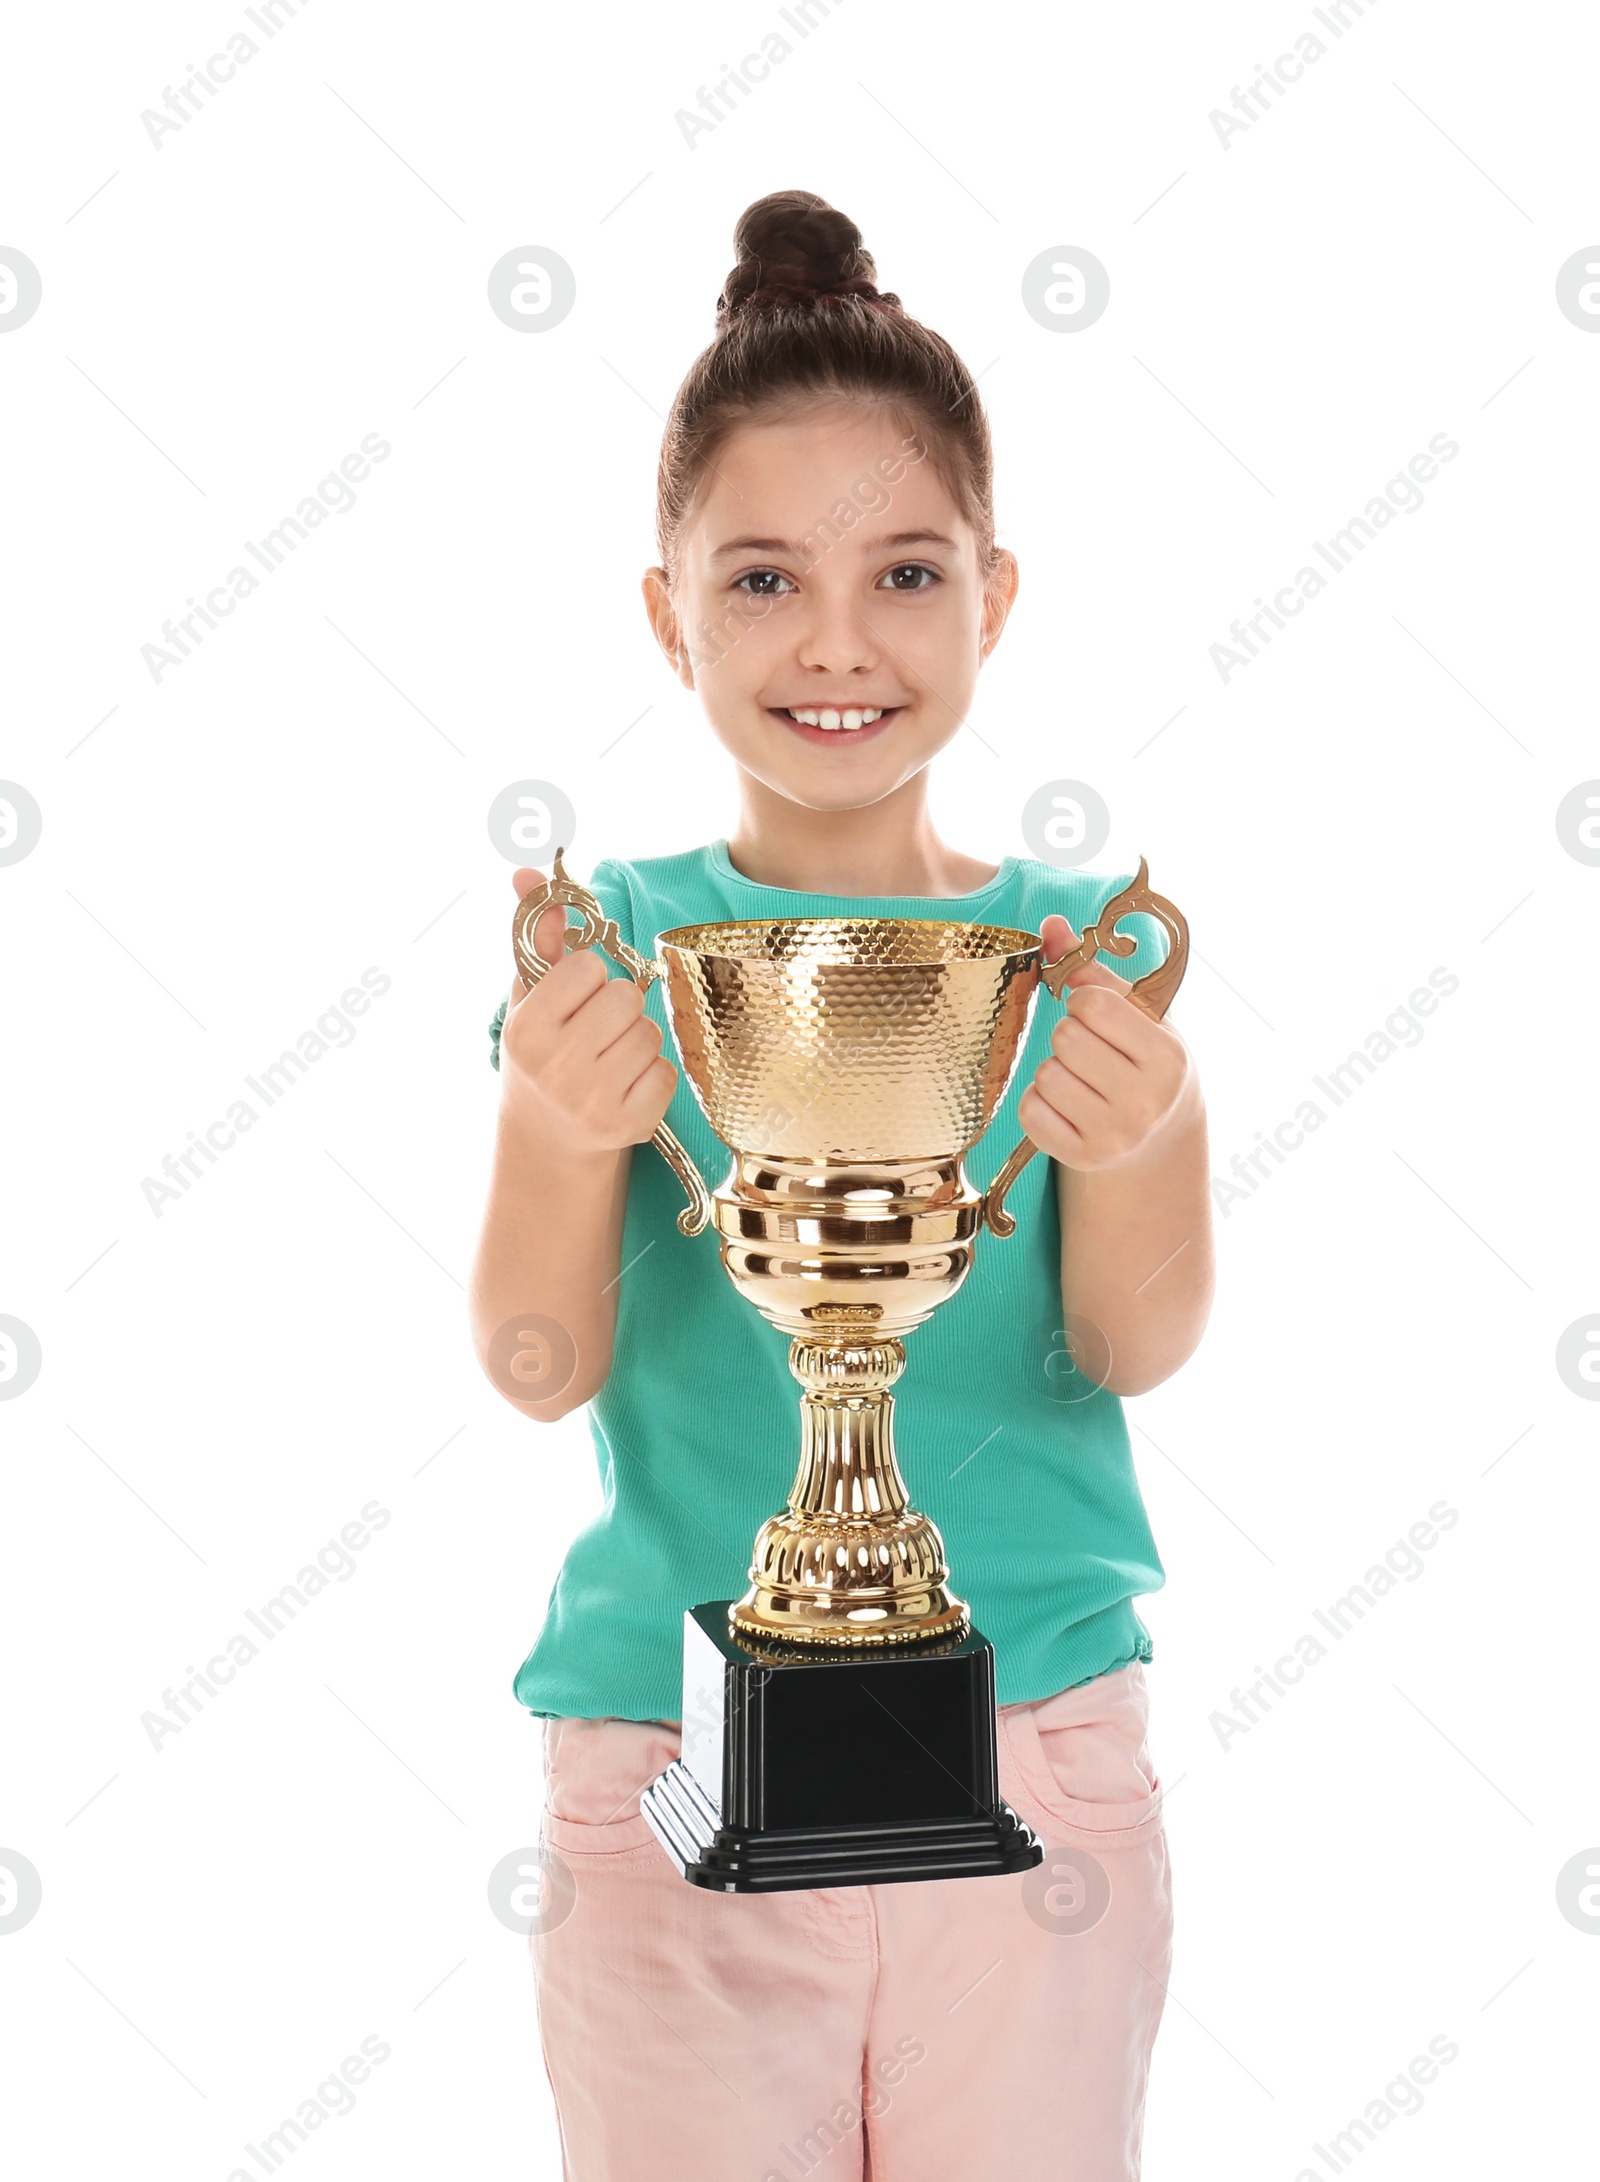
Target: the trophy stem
(847, 1461)
(849, 1562)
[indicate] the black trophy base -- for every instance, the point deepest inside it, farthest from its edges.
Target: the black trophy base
(804, 1768)
(744, 1860)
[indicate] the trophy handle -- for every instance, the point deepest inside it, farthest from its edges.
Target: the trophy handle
(600, 930)
(1153, 993)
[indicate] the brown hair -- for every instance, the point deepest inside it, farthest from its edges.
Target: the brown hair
(800, 319)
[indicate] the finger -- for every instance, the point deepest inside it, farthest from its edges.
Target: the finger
(1067, 1093)
(1094, 1059)
(1120, 1022)
(1058, 937)
(590, 1008)
(553, 941)
(549, 934)
(522, 879)
(635, 1085)
(620, 1068)
(1095, 973)
(550, 931)
(609, 1019)
(1040, 1120)
(649, 1096)
(1092, 978)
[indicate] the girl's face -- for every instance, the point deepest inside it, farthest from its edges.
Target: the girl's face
(829, 607)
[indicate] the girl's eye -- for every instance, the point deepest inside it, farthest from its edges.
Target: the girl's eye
(921, 577)
(762, 583)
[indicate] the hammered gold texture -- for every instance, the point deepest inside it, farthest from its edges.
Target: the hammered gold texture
(829, 1039)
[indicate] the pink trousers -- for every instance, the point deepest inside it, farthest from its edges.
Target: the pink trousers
(958, 2030)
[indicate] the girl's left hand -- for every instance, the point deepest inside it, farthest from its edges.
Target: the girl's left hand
(1114, 1075)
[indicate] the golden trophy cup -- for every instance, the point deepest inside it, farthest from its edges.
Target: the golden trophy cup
(839, 1718)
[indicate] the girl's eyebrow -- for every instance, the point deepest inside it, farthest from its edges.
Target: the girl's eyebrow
(752, 545)
(896, 540)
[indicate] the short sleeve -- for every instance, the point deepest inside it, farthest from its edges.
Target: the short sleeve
(610, 887)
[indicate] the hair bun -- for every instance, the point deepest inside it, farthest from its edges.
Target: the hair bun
(795, 249)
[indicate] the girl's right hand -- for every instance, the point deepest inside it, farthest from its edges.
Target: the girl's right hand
(579, 1057)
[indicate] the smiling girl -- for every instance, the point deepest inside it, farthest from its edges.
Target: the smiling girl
(829, 586)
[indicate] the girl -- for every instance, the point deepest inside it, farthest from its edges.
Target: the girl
(829, 585)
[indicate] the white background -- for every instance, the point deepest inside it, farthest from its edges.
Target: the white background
(1292, 318)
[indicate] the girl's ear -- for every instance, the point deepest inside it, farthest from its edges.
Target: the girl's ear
(999, 595)
(666, 625)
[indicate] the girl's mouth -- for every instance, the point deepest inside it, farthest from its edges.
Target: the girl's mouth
(837, 725)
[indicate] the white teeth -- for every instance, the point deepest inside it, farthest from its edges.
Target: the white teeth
(828, 717)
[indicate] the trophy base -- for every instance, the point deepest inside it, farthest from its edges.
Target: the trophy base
(737, 1860)
(845, 1769)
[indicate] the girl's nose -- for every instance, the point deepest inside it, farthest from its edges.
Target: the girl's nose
(837, 640)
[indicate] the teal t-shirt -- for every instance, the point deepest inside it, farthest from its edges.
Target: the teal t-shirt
(1023, 1463)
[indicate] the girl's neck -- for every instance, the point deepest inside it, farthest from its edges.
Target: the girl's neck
(887, 848)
